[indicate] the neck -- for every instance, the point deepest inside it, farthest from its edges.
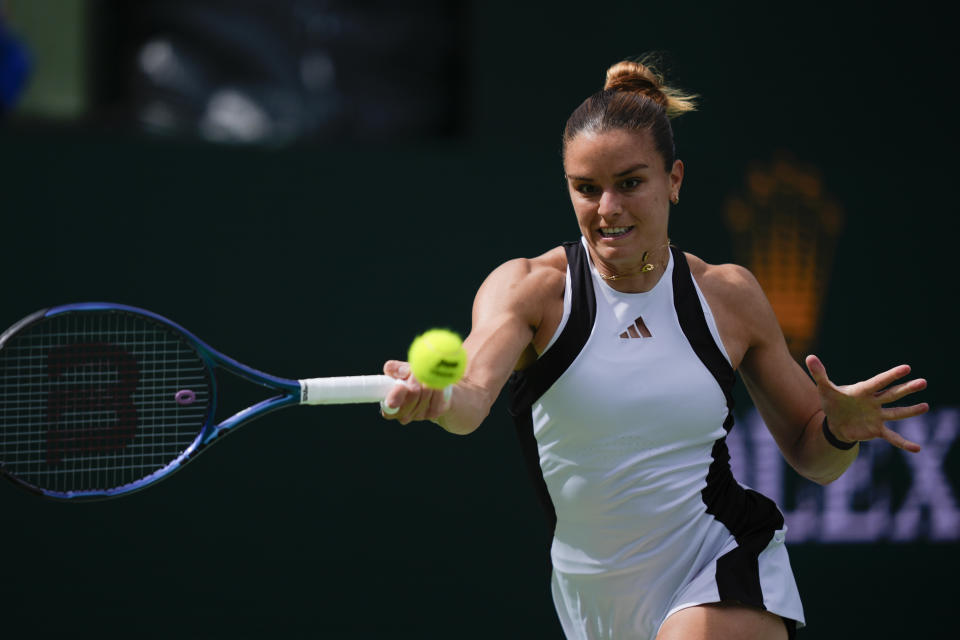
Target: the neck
(651, 260)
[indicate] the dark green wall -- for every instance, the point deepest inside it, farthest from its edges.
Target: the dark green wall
(327, 260)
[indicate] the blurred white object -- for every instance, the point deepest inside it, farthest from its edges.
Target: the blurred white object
(232, 116)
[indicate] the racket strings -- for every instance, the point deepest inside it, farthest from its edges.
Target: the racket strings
(98, 399)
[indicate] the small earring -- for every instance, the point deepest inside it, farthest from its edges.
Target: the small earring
(675, 199)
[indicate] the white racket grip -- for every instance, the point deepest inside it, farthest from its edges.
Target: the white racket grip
(345, 389)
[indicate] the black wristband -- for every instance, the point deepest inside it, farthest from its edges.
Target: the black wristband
(832, 439)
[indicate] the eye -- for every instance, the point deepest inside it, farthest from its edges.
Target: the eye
(586, 188)
(631, 183)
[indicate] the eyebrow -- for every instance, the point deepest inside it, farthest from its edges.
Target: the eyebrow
(628, 171)
(635, 167)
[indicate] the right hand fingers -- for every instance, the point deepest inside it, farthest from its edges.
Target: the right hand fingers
(397, 369)
(409, 400)
(412, 405)
(396, 397)
(392, 402)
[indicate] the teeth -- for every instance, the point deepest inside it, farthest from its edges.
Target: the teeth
(609, 232)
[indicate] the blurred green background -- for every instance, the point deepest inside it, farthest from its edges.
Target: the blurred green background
(325, 256)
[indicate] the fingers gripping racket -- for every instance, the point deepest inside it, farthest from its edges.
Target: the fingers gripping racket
(98, 399)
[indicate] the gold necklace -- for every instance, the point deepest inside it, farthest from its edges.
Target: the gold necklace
(645, 267)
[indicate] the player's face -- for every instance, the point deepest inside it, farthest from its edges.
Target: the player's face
(621, 194)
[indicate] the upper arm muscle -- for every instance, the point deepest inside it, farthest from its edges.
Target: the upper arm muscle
(508, 310)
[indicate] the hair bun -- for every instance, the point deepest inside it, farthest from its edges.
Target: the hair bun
(637, 77)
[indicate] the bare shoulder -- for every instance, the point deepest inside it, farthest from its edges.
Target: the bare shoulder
(742, 312)
(521, 298)
(726, 283)
(550, 269)
(524, 295)
(529, 280)
(548, 265)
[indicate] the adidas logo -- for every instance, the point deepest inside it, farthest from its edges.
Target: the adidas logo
(636, 330)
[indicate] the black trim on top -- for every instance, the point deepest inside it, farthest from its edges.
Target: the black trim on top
(527, 386)
(791, 628)
(523, 426)
(694, 325)
(749, 516)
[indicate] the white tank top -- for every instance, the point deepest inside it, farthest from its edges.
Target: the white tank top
(625, 434)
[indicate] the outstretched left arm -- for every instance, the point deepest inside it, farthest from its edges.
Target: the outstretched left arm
(794, 407)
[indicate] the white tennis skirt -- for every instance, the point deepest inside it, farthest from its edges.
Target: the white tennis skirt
(633, 603)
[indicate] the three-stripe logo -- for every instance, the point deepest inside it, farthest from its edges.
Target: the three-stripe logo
(636, 330)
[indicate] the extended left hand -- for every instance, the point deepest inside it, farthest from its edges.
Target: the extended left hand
(855, 412)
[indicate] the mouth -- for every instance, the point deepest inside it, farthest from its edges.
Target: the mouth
(614, 232)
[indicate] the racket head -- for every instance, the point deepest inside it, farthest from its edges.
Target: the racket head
(99, 399)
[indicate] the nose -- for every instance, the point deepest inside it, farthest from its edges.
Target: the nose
(609, 204)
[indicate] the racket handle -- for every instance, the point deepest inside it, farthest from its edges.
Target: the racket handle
(353, 390)
(345, 389)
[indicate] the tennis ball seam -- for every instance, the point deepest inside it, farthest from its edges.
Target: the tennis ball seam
(437, 358)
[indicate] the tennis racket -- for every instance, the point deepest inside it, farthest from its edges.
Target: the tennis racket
(98, 400)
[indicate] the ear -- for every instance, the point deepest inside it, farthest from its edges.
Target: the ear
(676, 175)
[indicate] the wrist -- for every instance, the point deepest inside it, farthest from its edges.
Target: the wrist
(834, 441)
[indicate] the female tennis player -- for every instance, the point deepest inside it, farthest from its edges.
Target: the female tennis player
(621, 352)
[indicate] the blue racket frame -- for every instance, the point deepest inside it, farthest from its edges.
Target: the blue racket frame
(210, 431)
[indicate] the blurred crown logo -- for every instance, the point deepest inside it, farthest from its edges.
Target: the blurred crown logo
(785, 230)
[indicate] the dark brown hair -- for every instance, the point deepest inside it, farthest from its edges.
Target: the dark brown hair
(634, 98)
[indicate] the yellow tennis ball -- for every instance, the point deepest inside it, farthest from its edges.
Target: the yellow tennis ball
(437, 358)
